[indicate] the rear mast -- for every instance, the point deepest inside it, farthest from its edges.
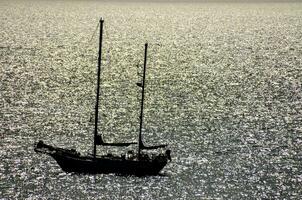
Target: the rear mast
(140, 143)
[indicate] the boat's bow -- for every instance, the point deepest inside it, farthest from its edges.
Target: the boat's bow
(41, 147)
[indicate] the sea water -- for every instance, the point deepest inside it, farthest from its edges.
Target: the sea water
(223, 89)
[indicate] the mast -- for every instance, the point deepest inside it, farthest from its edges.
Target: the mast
(140, 143)
(98, 89)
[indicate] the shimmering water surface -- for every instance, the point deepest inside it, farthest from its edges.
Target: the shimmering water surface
(223, 89)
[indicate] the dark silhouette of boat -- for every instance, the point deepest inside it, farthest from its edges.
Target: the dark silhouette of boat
(140, 163)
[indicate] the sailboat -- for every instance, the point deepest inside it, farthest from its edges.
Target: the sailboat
(141, 163)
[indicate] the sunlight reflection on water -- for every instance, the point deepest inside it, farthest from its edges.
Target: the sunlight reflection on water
(223, 89)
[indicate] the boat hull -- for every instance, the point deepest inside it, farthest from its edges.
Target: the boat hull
(72, 161)
(106, 165)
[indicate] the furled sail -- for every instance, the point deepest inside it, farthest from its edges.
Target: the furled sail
(142, 146)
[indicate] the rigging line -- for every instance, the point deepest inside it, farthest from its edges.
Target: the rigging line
(92, 37)
(84, 50)
(94, 32)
